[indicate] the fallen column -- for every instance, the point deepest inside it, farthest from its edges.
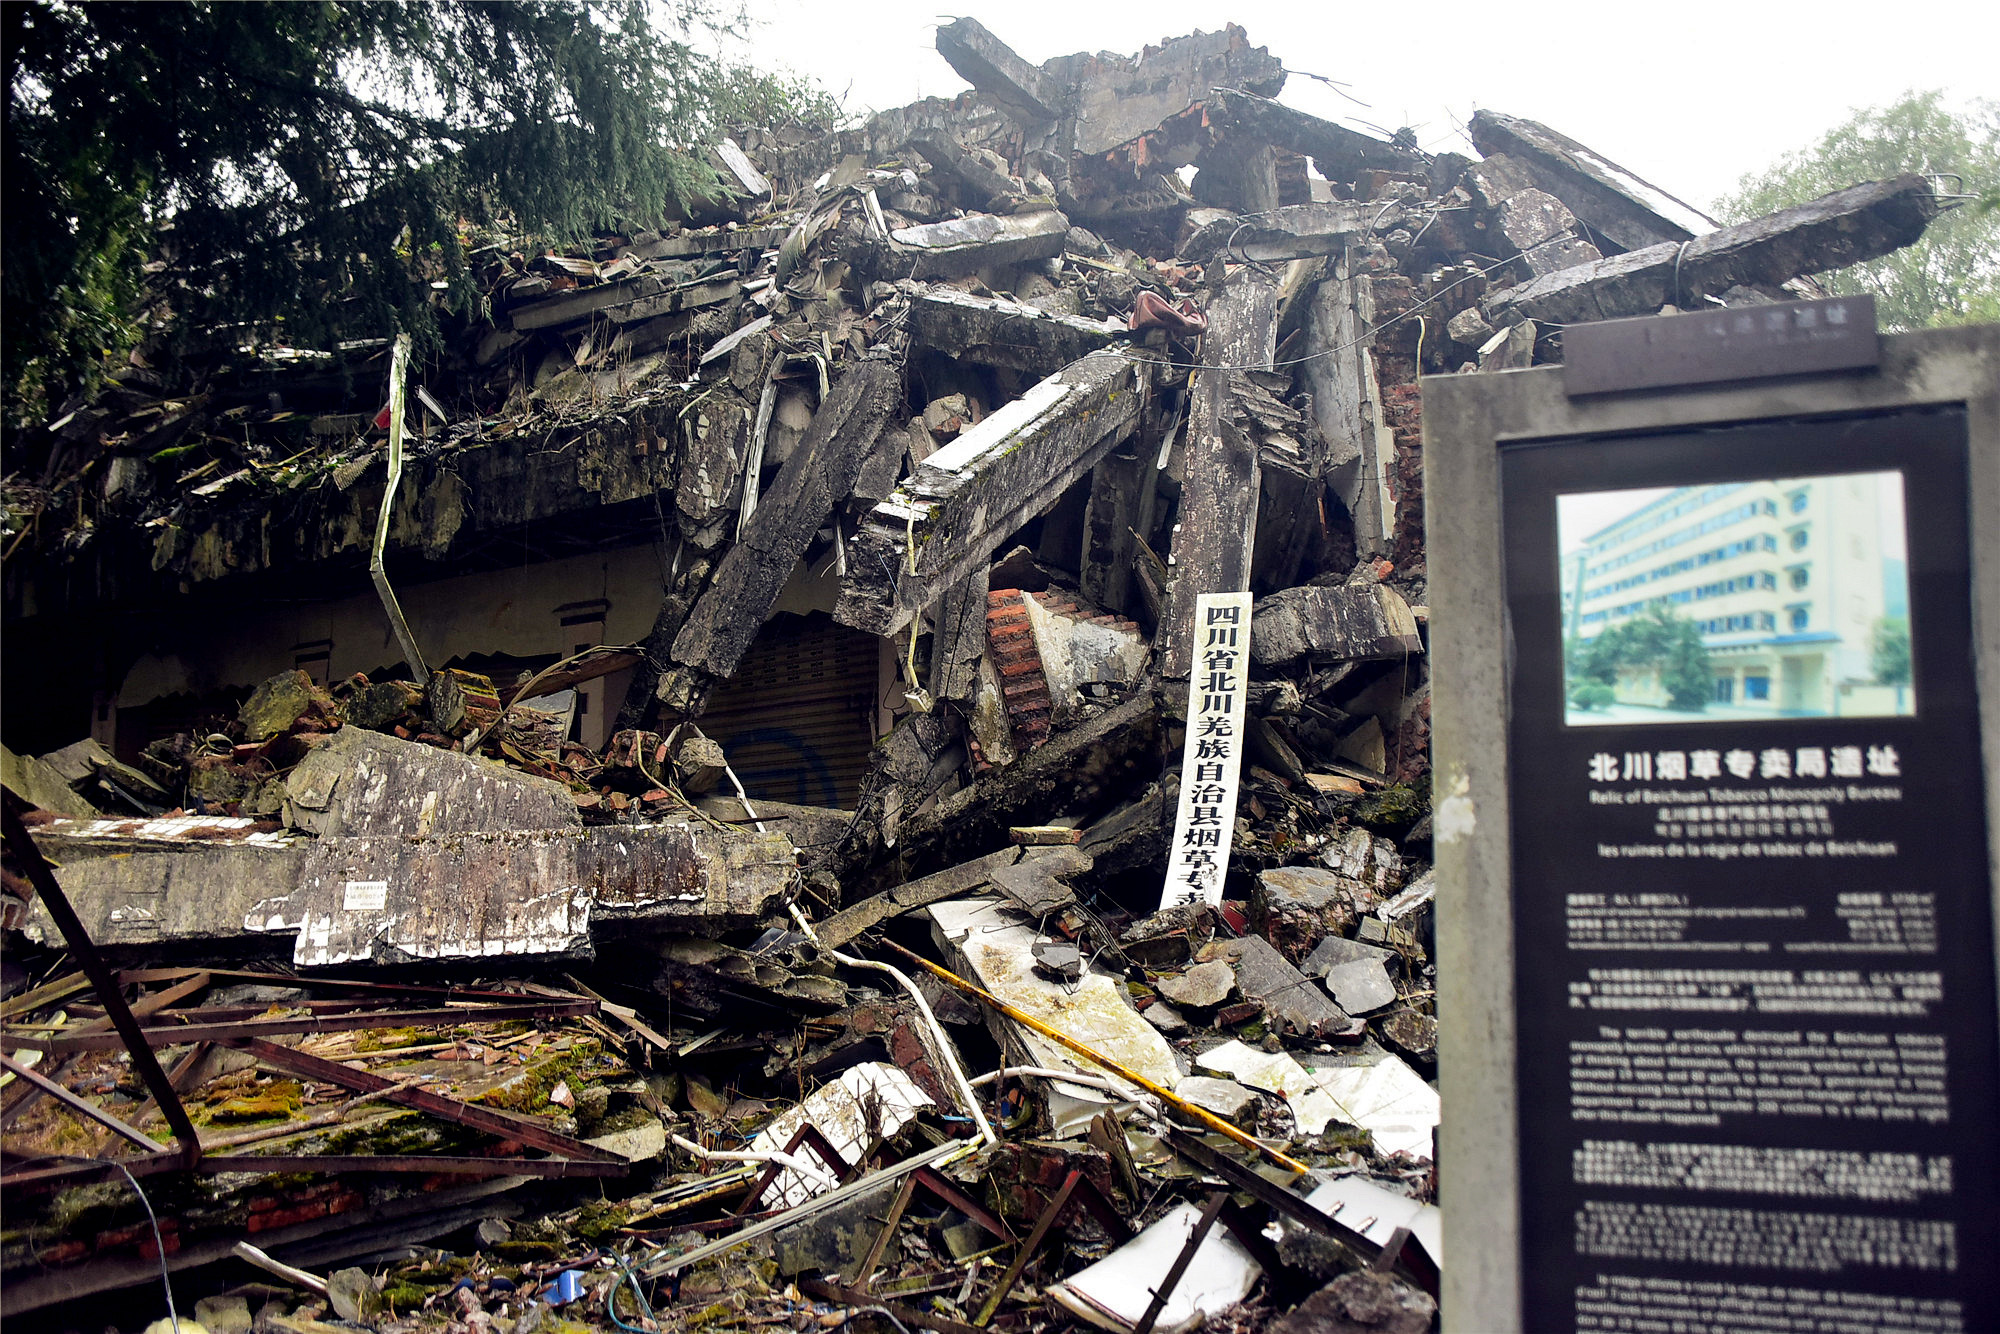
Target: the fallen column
(969, 497)
(1002, 77)
(748, 579)
(1350, 623)
(1218, 515)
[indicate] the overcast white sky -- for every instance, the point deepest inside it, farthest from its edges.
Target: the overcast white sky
(1689, 97)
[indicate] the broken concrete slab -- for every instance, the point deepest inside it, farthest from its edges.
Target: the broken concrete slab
(1299, 231)
(970, 496)
(1298, 907)
(1289, 996)
(1202, 987)
(1119, 100)
(1033, 888)
(1613, 201)
(1846, 227)
(390, 899)
(42, 786)
(1335, 951)
(1225, 1097)
(1348, 622)
(1360, 985)
(1001, 77)
(994, 331)
(986, 942)
(276, 704)
(218, 884)
(369, 783)
(1340, 154)
(1535, 227)
(978, 241)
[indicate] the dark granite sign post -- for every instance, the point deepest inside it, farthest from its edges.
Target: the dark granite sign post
(1714, 708)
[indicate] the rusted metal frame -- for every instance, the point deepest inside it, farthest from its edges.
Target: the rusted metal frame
(1411, 1262)
(178, 1034)
(78, 1104)
(234, 1013)
(97, 1016)
(84, 950)
(94, 1169)
(46, 994)
(865, 1271)
(941, 1186)
(911, 1316)
(1019, 1264)
(808, 1135)
(499, 1167)
(509, 1125)
(131, 975)
(30, 1094)
(1175, 1271)
(78, 1173)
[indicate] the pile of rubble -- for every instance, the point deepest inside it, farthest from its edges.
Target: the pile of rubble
(1006, 381)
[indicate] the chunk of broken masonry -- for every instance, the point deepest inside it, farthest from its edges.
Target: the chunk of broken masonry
(1348, 622)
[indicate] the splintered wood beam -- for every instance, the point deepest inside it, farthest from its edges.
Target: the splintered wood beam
(968, 498)
(1217, 531)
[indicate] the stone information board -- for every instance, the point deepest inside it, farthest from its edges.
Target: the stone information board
(1754, 957)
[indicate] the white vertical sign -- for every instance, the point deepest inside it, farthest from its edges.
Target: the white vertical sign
(1219, 670)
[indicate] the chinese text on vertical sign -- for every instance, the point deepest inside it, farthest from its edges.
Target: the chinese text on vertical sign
(1199, 858)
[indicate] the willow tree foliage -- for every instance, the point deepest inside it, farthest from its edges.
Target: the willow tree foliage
(311, 162)
(1952, 275)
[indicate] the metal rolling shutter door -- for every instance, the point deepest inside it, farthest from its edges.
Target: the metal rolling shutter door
(797, 719)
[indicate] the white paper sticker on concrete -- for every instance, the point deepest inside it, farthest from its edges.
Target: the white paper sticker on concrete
(364, 895)
(1388, 1099)
(1114, 1293)
(1218, 677)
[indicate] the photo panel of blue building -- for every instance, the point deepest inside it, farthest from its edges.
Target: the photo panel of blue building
(1776, 598)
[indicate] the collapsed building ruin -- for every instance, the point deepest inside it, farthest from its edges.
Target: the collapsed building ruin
(817, 572)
